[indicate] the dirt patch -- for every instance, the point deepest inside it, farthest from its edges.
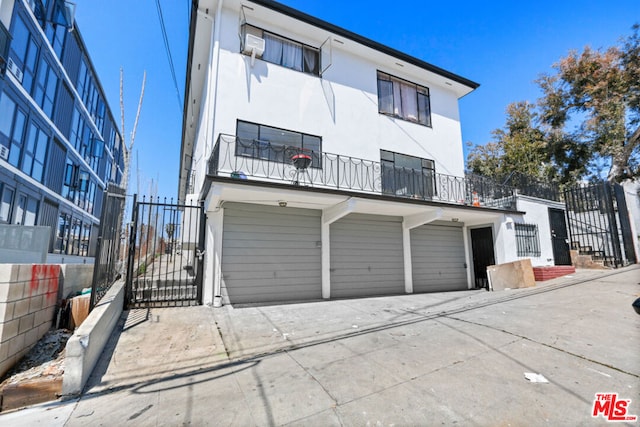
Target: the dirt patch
(38, 376)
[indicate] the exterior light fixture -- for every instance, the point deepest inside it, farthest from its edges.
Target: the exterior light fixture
(282, 203)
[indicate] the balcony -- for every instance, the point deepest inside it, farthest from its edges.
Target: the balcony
(269, 162)
(5, 41)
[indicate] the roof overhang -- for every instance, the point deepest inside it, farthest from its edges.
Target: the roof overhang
(224, 190)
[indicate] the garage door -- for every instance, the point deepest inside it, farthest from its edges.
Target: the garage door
(437, 258)
(366, 256)
(270, 253)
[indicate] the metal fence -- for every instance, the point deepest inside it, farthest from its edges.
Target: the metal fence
(107, 266)
(244, 159)
(166, 247)
(599, 223)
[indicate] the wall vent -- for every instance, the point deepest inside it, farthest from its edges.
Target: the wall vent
(4, 152)
(14, 69)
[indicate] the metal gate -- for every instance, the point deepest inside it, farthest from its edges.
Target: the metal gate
(164, 265)
(599, 223)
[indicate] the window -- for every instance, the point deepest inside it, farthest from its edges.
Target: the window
(527, 240)
(56, 34)
(59, 25)
(26, 210)
(12, 125)
(6, 203)
(25, 50)
(45, 89)
(409, 176)
(285, 52)
(404, 100)
(276, 145)
(35, 152)
(39, 8)
(62, 234)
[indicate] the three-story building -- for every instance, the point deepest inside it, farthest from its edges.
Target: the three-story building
(330, 165)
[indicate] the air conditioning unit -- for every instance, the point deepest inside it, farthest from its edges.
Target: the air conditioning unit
(4, 152)
(14, 69)
(254, 46)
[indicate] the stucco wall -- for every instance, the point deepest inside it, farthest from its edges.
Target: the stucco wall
(537, 212)
(341, 107)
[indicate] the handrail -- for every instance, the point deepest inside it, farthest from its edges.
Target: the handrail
(263, 160)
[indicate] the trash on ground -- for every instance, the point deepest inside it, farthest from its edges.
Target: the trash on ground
(535, 378)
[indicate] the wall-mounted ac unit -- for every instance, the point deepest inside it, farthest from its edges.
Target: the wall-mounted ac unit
(254, 46)
(4, 152)
(14, 69)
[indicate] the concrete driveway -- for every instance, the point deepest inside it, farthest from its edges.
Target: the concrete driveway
(429, 359)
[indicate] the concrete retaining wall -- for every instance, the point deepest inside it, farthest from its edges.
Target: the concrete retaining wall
(85, 346)
(28, 298)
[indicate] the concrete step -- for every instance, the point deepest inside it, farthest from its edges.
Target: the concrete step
(551, 272)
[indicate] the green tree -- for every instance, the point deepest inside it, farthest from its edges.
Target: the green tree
(519, 147)
(591, 106)
(588, 115)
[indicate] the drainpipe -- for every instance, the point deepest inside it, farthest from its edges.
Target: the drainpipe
(214, 62)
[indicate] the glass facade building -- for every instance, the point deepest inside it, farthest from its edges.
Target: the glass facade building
(59, 143)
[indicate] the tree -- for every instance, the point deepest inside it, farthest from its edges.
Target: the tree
(592, 108)
(520, 147)
(588, 115)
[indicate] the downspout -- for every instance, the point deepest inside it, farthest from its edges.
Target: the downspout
(215, 62)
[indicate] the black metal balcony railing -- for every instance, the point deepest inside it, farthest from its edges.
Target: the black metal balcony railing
(5, 40)
(243, 159)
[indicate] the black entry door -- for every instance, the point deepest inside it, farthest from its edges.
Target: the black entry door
(559, 237)
(482, 248)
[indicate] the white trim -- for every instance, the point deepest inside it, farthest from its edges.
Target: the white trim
(329, 216)
(467, 260)
(416, 220)
(408, 265)
(213, 256)
(335, 212)
(410, 222)
(325, 258)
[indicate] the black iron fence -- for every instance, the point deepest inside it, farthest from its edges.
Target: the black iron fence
(599, 223)
(107, 265)
(243, 159)
(164, 263)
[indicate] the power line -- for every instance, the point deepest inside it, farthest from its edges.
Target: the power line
(168, 51)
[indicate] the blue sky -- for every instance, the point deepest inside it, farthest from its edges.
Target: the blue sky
(503, 45)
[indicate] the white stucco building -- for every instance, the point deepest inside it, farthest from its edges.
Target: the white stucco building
(332, 166)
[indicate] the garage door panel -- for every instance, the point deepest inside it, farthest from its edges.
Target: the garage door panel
(438, 259)
(270, 254)
(366, 256)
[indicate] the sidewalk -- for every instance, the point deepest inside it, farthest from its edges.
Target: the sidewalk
(422, 359)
